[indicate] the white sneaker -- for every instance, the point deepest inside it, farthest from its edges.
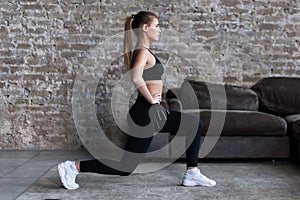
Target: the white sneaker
(195, 178)
(68, 175)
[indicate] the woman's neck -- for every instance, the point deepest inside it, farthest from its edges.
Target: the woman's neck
(138, 46)
(143, 43)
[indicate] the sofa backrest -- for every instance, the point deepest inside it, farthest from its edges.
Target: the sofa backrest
(279, 95)
(236, 98)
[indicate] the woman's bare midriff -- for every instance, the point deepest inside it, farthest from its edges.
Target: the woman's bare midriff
(155, 86)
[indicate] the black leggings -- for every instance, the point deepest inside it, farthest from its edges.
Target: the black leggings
(144, 121)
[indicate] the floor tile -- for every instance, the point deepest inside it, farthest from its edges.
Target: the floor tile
(13, 185)
(12, 162)
(27, 172)
(6, 170)
(9, 195)
(18, 154)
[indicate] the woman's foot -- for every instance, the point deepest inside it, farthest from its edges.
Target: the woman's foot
(193, 177)
(68, 172)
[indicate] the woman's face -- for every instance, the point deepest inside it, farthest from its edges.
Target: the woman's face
(154, 30)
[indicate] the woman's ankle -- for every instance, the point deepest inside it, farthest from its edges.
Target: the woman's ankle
(77, 164)
(191, 167)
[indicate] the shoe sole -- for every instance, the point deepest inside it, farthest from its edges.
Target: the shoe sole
(61, 172)
(193, 184)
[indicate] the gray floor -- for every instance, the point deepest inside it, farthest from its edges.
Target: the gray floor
(33, 175)
(20, 169)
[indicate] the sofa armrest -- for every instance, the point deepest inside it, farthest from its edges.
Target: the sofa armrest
(174, 104)
(279, 95)
(293, 122)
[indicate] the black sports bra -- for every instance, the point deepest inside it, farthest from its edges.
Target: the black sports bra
(155, 72)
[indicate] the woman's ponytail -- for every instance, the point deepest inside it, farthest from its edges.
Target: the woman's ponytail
(127, 43)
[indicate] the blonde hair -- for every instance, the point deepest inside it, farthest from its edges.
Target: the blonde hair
(134, 22)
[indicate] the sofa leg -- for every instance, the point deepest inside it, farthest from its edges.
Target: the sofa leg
(273, 161)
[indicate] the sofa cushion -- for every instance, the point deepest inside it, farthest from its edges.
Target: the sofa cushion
(242, 123)
(236, 98)
(279, 95)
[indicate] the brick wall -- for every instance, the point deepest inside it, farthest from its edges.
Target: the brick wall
(44, 43)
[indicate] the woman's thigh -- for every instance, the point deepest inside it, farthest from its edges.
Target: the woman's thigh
(172, 122)
(183, 121)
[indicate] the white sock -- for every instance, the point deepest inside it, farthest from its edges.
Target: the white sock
(192, 171)
(74, 168)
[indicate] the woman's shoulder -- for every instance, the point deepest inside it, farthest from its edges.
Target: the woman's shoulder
(140, 53)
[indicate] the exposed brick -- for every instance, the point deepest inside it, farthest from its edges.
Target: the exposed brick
(24, 2)
(4, 70)
(264, 11)
(32, 7)
(38, 31)
(76, 1)
(46, 43)
(206, 33)
(89, 1)
(69, 54)
(80, 47)
(41, 93)
(5, 53)
(49, 1)
(68, 24)
(24, 46)
(281, 4)
(22, 101)
(12, 61)
(266, 26)
(292, 34)
(31, 77)
(2, 84)
(46, 69)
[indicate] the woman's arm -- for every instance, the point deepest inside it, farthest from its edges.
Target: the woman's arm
(139, 62)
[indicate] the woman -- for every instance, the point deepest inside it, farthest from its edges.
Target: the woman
(144, 117)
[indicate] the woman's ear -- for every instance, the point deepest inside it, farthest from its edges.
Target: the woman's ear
(145, 27)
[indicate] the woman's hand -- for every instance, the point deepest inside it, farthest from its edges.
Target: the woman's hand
(156, 98)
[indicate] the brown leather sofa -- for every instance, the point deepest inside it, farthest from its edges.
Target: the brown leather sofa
(262, 121)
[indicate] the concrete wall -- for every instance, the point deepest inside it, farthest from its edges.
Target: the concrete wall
(45, 43)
